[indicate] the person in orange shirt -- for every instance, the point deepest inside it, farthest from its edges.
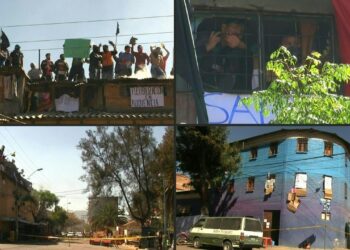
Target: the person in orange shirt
(107, 61)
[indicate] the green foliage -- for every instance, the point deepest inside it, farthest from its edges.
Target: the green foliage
(305, 94)
(163, 169)
(205, 155)
(57, 219)
(122, 158)
(44, 201)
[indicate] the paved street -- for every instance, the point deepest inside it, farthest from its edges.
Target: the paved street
(58, 246)
(189, 247)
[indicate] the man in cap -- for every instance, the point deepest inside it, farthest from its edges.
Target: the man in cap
(16, 57)
(141, 58)
(95, 60)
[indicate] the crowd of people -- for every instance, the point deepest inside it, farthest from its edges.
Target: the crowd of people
(106, 64)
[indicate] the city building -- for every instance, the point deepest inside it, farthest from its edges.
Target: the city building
(16, 206)
(296, 182)
(128, 101)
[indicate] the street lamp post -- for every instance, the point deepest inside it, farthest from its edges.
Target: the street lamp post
(37, 170)
(18, 199)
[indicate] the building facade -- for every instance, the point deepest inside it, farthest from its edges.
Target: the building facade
(16, 205)
(296, 182)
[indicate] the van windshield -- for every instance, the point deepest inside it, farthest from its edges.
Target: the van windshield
(231, 224)
(252, 225)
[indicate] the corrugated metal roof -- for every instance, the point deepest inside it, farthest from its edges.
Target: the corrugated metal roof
(104, 115)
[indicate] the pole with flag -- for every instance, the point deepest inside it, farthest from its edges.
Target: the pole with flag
(4, 41)
(116, 34)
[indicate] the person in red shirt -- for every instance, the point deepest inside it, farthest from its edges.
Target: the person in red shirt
(47, 67)
(141, 58)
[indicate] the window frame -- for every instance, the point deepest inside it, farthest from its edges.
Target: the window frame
(261, 17)
(273, 149)
(253, 154)
(328, 146)
(304, 150)
(250, 186)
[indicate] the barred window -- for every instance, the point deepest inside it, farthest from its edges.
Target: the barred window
(302, 145)
(233, 47)
(328, 148)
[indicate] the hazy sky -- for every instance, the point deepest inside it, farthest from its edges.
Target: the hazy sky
(24, 12)
(55, 150)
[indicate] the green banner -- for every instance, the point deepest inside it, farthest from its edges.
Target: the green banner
(79, 48)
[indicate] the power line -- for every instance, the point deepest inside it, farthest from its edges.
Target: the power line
(84, 21)
(118, 44)
(62, 39)
(26, 155)
(72, 190)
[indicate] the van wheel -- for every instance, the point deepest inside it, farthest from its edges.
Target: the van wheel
(196, 243)
(227, 245)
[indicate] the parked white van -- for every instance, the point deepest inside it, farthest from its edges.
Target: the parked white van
(228, 232)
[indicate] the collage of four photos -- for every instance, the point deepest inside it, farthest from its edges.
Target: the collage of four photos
(175, 124)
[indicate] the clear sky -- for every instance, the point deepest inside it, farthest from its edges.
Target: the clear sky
(24, 12)
(55, 150)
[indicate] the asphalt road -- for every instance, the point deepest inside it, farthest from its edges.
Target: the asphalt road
(58, 246)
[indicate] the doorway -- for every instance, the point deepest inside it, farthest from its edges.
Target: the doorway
(271, 224)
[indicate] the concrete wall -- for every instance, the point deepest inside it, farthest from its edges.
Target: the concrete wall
(7, 200)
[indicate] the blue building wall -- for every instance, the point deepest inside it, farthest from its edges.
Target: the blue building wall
(306, 222)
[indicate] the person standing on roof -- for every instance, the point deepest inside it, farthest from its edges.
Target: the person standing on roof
(158, 62)
(16, 57)
(126, 61)
(95, 60)
(34, 73)
(107, 61)
(61, 69)
(76, 72)
(140, 56)
(47, 68)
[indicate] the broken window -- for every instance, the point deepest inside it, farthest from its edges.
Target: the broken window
(301, 184)
(270, 184)
(253, 153)
(250, 184)
(273, 149)
(327, 187)
(293, 202)
(328, 148)
(302, 145)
